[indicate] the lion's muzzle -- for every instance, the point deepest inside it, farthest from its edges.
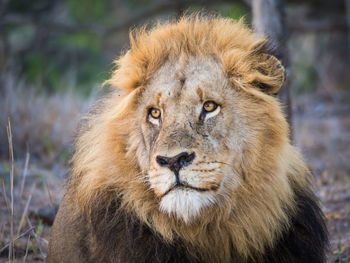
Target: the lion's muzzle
(176, 162)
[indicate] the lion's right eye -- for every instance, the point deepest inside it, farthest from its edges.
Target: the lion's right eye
(209, 106)
(210, 109)
(154, 113)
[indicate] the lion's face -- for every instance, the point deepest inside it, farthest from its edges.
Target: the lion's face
(190, 134)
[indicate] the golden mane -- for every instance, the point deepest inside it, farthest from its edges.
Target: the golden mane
(232, 43)
(105, 167)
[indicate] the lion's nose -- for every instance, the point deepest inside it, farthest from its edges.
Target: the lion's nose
(176, 162)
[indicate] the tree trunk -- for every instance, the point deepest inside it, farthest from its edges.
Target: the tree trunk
(347, 4)
(269, 20)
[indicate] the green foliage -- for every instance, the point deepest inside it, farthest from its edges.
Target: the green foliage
(48, 146)
(61, 45)
(135, 4)
(63, 156)
(82, 40)
(57, 71)
(235, 11)
(31, 246)
(90, 72)
(34, 66)
(41, 71)
(304, 77)
(20, 36)
(39, 227)
(89, 10)
(28, 7)
(5, 167)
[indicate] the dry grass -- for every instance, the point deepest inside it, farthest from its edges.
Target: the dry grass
(36, 134)
(12, 244)
(10, 214)
(41, 123)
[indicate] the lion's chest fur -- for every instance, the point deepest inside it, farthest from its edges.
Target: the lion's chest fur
(113, 235)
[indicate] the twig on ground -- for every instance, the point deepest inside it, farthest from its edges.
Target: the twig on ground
(12, 174)
(25, 211)
(35, 237)
(2, 230)
(26, 254)
(49, 193)
(5, 196)
(20, 236)
(24, 175)
(46, 242)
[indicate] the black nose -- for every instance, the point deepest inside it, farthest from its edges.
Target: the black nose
(176, 162)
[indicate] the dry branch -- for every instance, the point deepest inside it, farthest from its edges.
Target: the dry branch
(5, 196)
(25, 211)
(27, 247)
(24, 175)
(9, 136)
(35, 237)
(18, 237)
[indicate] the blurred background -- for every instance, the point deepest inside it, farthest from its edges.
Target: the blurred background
(54, 55)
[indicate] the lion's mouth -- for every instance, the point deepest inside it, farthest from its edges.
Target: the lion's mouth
(185, 185)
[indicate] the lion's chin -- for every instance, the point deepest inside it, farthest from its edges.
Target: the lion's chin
(185, 203)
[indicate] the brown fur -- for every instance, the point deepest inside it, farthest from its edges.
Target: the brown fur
(109, 165)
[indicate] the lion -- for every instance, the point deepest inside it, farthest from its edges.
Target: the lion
(188, 159)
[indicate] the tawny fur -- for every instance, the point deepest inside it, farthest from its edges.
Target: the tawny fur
(253, 209)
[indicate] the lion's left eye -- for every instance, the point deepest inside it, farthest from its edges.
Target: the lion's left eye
(209, 106)
(154, 113)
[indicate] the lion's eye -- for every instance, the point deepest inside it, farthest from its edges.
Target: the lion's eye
(209, 106)
(155, 113)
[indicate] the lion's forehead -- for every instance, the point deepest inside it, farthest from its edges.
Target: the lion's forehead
(179, 81)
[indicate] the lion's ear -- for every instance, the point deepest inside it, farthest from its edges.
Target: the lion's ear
(271, 74)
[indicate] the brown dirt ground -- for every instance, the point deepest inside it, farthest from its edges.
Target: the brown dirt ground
(322, 133)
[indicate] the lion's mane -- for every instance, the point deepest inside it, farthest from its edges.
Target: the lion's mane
(106, 190)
